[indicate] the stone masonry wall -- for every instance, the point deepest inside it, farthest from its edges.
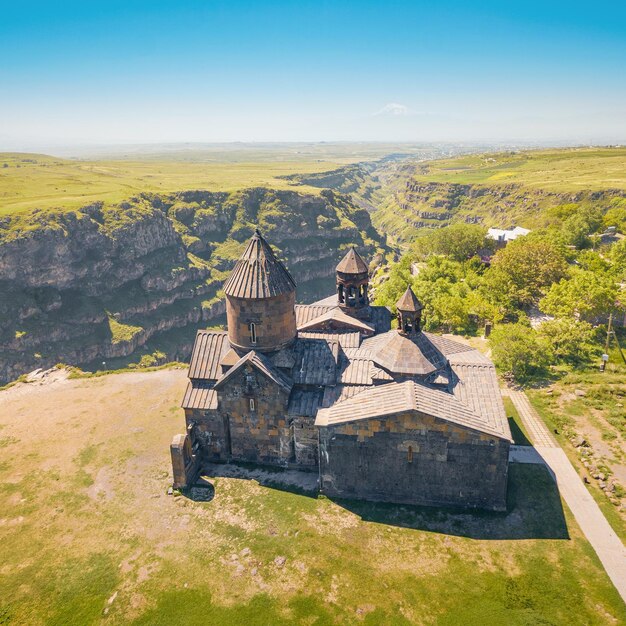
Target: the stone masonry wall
(262, 434)
(416, 459)
(274, 318)
(210, 429)
(305, 438)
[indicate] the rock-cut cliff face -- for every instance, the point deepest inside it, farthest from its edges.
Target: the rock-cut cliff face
(105, 283)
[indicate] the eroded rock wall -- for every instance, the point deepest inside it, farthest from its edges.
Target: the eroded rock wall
(105, 283)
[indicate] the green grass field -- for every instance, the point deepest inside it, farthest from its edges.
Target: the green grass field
(30, 181)
(555, 170)
(38, 181)
(89, 536)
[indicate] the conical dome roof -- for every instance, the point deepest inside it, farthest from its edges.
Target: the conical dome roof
(352, 263)
(409, 302)
(258, 273)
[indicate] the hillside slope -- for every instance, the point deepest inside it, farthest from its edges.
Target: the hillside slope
(98, 283)
(502, 189)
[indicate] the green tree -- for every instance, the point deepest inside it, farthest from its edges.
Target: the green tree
(399, 277)
(584, 222)
(585, 296)
(618, 258)
(521, 272)
(450, 312)
(458, 241)
(616, 216)
(570, 341)
(517, 351)
(592, 261)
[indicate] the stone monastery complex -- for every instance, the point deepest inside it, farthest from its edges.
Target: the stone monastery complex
(381, 413)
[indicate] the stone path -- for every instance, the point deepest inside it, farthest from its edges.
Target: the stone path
(587, 513)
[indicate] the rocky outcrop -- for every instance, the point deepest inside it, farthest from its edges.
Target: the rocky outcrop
(106, 283)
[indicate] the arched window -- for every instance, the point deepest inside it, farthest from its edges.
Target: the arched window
(252, 329)
(352, 295)
(340, 292)
(410, 455)
(252, 404)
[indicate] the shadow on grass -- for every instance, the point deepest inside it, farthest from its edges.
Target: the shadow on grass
(289, 480)
(534, 511)
(534, 508)
(518, 435)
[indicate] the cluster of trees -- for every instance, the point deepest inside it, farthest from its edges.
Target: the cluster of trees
(560, 270)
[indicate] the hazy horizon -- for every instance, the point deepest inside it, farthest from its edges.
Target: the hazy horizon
(97, 74)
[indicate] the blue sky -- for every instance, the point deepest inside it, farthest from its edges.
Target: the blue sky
(83, 72)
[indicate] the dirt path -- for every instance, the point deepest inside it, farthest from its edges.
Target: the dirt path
(599, 533)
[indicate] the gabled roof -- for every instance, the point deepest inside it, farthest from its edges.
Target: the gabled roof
(393, 398)
(262, 364)
(337, 317)
(208, 349)
(306, 312)
(409, 302)
(352, 263)
(404, 355)
(258, 273)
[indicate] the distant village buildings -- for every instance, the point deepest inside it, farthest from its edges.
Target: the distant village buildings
(379, 413)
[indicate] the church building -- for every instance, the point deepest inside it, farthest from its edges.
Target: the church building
(379, 408)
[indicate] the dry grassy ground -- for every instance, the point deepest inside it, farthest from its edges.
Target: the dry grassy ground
(88, 534)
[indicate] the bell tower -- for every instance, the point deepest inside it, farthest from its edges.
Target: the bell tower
(353, 285)
(409, 313)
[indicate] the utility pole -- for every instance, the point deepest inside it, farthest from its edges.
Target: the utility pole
(609, 332)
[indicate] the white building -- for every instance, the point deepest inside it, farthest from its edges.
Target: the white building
(504, 236)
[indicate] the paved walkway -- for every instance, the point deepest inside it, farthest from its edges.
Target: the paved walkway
(536, 429)
(587, 513)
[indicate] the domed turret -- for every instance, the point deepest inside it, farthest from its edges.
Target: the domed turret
(260, 299)
(409, 313)
(352, 284)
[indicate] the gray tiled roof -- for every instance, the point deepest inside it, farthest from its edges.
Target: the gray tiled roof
(380, 316)
(448, 346)
(477, 387)
(409, 302)
(346, 338)
(304, 403)
(393, 398)
(354, 371)
(199, 395)
(408, 355)
(352, 263)
(258, 273)
(337, 317)
(307, 312)
(316, 362)
(209, 348)
(340, 393)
